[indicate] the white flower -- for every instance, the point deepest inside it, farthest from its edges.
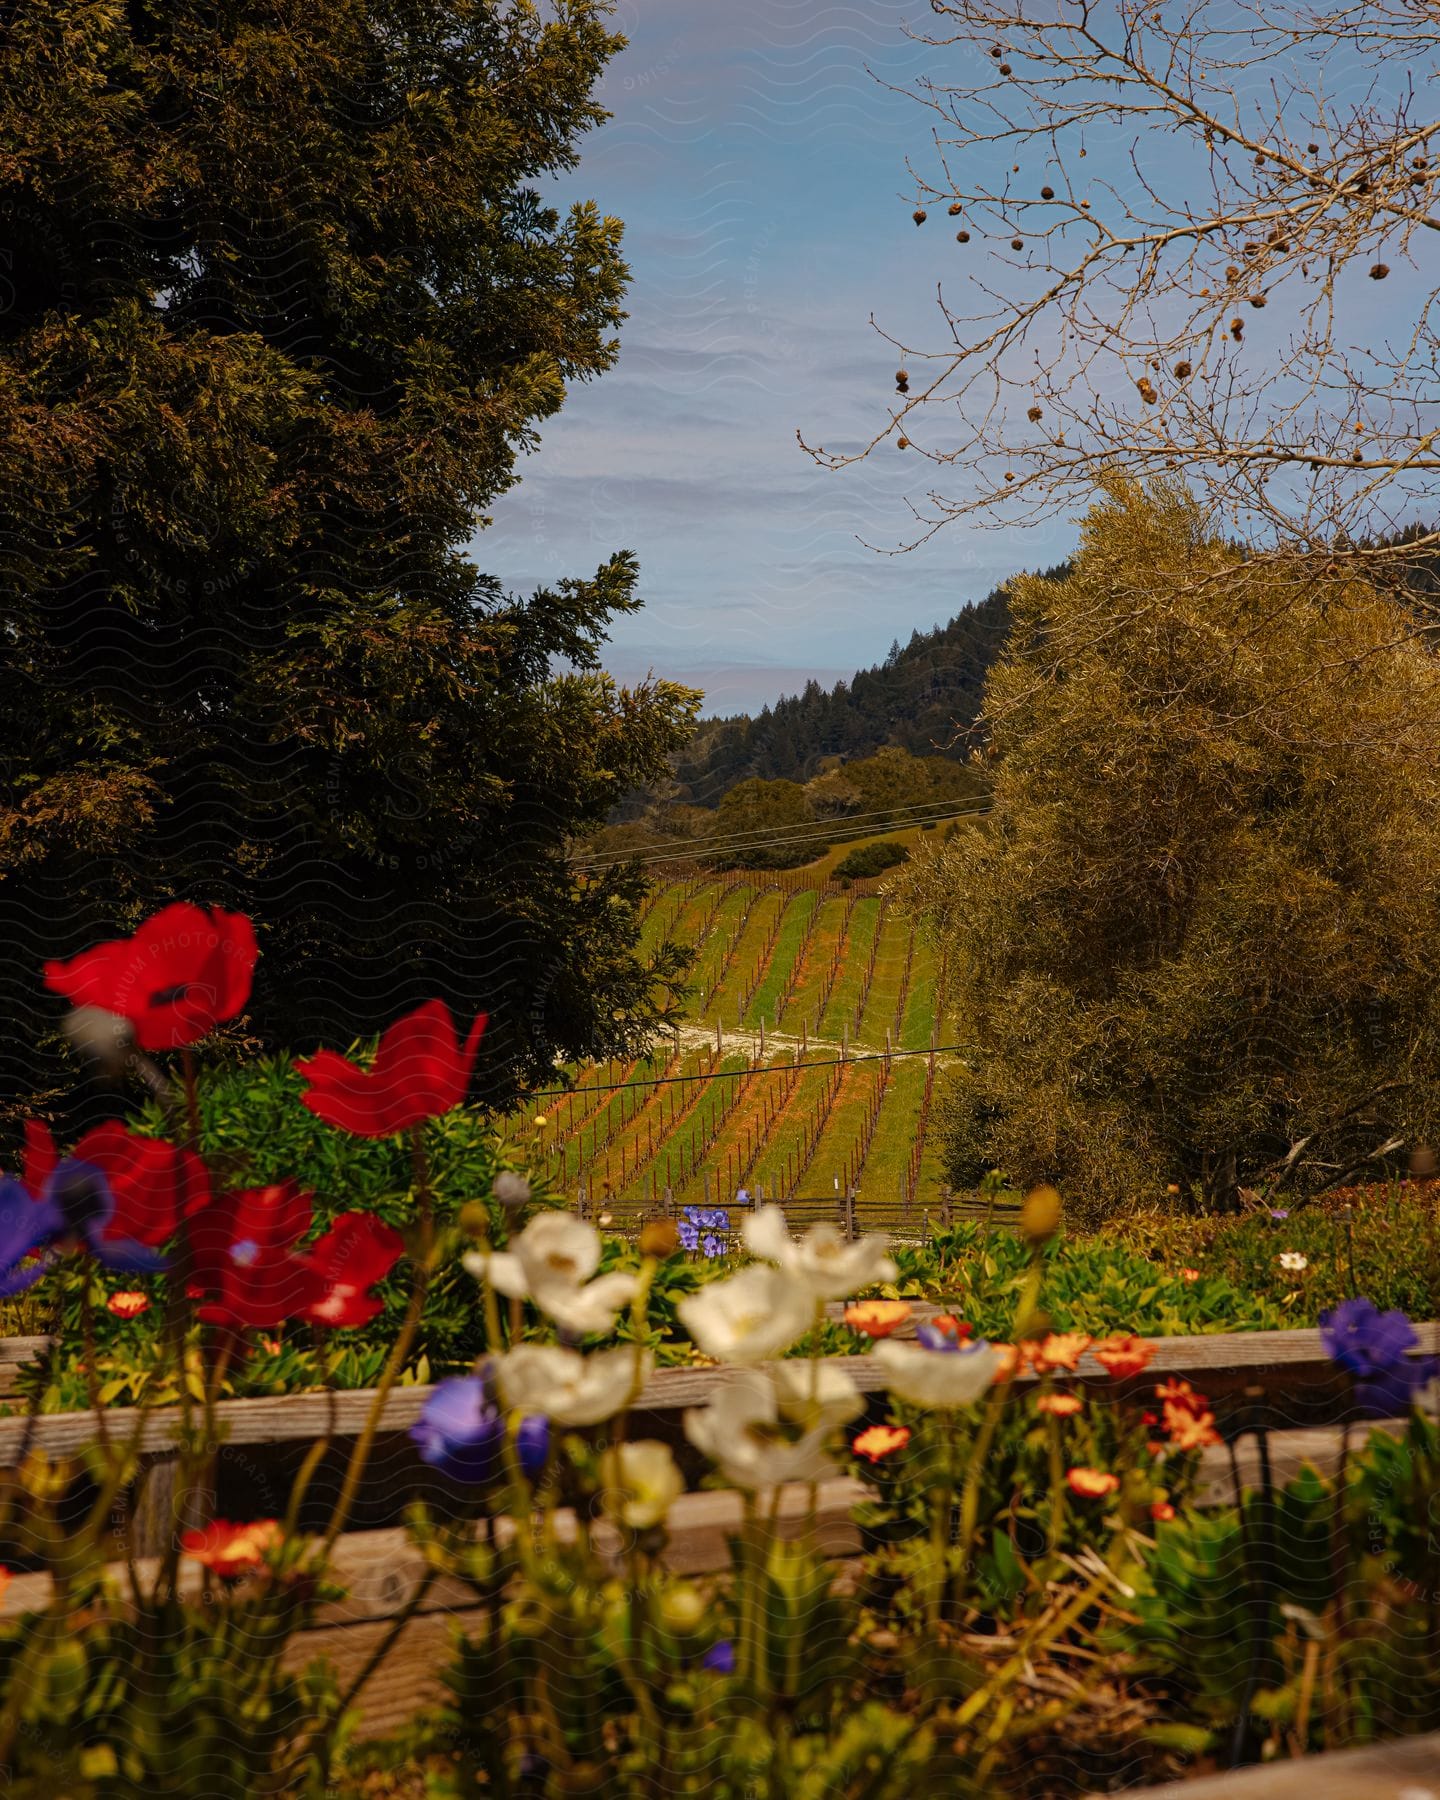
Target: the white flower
(740, 1432)
(567, 1387)
(749, 1317)
(641, 1483)
(936, 1378)
(551, 1263)
(511, 1188)
(803, 1386)
(1293, 1263)
(829, 1267)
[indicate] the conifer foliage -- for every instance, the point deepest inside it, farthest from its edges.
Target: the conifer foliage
(281, 306)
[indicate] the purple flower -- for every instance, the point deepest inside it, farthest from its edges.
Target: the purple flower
(460, 1432)
(1279, 1212)
(1373, 1348)
(698, 1226)
(74, 1204)
(719, 1658)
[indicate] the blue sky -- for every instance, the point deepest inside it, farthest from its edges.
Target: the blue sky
(759, 163)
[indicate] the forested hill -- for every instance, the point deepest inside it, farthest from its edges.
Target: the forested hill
(918, 698)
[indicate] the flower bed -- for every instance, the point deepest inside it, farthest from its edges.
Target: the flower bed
(1006, 1568)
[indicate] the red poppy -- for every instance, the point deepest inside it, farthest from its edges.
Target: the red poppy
(129, 1304)
(357, 1251)
(879, 1441)
(180, 974)
(154, 1183)
(230, 1550)
(420, 1071)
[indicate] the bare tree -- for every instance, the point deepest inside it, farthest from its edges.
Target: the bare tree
(1209, 301)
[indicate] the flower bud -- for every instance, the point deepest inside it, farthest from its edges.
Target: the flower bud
(682, 1608)
(659, 1237)
(1040, 1214)
(474, 1219)
(511, 1189)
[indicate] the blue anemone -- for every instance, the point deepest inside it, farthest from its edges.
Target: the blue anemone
(1374, 1347)
(75, 1204)
(460, 1432)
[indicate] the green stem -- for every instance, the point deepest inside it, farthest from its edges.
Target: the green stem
(399, 1351)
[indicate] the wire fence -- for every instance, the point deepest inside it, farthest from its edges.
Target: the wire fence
(716, 1227)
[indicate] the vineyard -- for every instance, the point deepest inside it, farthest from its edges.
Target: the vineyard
(803, 1073)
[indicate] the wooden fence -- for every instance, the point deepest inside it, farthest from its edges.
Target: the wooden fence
(1280, 1381)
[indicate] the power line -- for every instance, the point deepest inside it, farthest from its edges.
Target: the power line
(700, 850)
(799, 832)
(780, 1068)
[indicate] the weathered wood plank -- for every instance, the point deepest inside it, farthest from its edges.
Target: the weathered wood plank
(1405, 1769)
(381, 1570)
(1281, 1358)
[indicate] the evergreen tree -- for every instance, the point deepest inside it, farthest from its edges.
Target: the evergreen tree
(284, 305)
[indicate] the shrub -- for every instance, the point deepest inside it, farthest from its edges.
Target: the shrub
(870, 859)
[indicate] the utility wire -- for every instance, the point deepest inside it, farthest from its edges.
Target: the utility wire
(799, 830)
(780, 1068)
(698, 850)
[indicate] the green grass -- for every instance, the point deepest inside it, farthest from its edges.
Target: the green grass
(782, 959)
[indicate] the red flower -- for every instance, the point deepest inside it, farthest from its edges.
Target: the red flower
(231, 1551)
(1161, 1511)
(129, 1304)
(240, 1256)
(1091, 1484)
(1190, 1430)
(1180, 1394)
(420, 1070)
(877, 1318)
(180, 974)
(1123, 1355)
(154, 1183)
(357, 1251)
(879, 1441)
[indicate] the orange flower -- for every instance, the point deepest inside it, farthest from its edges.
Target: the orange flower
(951, 1327)
(1061, 1350)
(1008, 1362)
(1062, 1406)
(877, 1318)
(129, 1304)
(1092, 1484)
(1161, 1511)
(1189, 1274)
(4, 1581)
(1180, 1393)
(879, 1441)
(231, 1551)
(1123, 1355)
(1190, 1430)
